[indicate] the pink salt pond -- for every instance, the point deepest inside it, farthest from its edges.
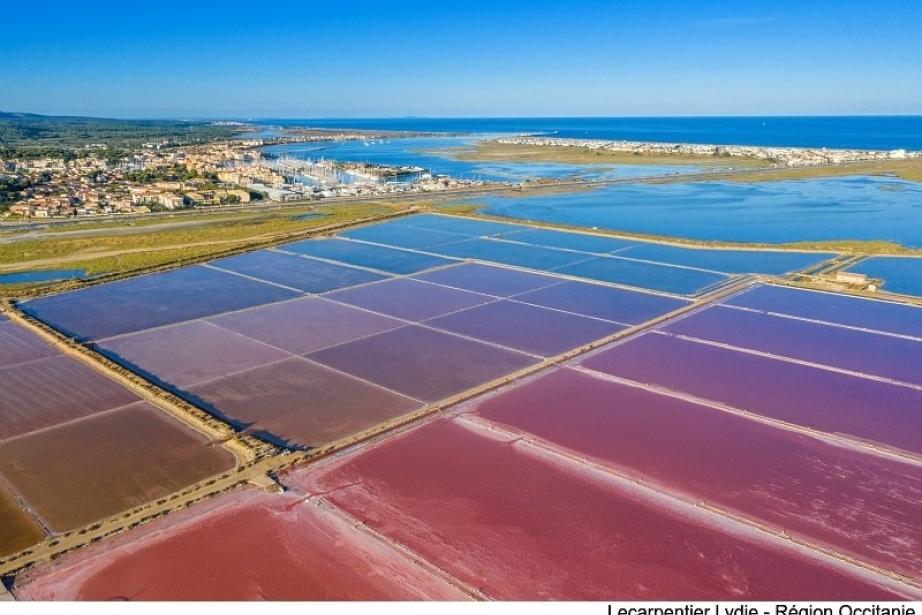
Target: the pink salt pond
(243, 546)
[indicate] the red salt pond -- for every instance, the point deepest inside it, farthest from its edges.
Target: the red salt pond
(409, 299)
(616, 304)
(859, 351)
(18, 345)
(44, 393)
(190, 352)
(496, 281)
(848, 501)
(524, 327)
(92, 468)
(17, 529)
(306, 325)
(301, 403)
(518, 524)
(245, 546)
(424, 364)
(832, 402)
(831, 307)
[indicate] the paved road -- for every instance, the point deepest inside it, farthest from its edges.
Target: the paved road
(126, 229)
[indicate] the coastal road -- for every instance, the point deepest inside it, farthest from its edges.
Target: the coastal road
(128, 229)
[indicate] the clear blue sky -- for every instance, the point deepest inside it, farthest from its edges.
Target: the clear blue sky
(393, 58)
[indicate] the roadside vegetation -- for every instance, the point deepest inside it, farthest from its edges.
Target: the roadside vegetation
(143, 247)
(175, 217)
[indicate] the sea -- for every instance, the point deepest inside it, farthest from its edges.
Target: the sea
(850, 132)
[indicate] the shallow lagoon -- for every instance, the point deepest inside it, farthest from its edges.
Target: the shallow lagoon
(860, 208)
(900, 274)
(48, 275)
(427, 152)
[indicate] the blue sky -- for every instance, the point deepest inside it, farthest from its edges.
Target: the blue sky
(383, 59)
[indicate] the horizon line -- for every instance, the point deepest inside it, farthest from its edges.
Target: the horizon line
(192, 118)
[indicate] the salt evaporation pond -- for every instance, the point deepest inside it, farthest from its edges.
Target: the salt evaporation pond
(242, 546)
(864, 505)
(525, 525)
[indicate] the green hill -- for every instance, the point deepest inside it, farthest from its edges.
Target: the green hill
(27, 134)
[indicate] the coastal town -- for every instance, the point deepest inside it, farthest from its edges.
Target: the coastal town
(780, 156)
(166, 176)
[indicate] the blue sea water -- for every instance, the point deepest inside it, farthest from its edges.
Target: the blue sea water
(860, 208)
(858, 132)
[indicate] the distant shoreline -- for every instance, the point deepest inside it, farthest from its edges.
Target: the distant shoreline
(864, 132)
(787, 156)
(766, 163)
